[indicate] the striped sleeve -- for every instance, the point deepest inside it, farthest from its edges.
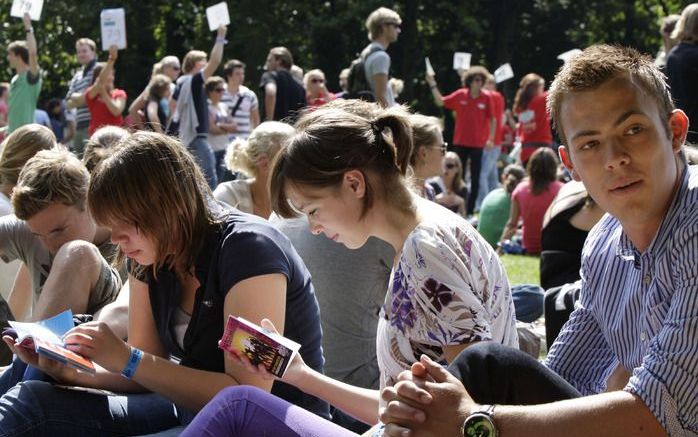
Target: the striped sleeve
(580, 353)
(667, 380)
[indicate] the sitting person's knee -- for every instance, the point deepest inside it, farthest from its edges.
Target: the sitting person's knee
(77, 251)
(240, 392)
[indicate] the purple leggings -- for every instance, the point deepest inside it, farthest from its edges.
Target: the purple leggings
(248, 411)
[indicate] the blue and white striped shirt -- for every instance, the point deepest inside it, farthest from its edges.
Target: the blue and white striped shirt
(640, 310)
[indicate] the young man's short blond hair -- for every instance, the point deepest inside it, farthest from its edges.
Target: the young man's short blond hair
(283, 55)
(19, 147)
(86, 42)
(379, 17)
(51, 176)
(190, 60)
(600, 63)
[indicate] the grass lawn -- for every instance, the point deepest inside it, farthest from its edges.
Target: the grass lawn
(522, 269)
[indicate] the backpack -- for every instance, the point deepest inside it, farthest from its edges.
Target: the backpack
(357, 83)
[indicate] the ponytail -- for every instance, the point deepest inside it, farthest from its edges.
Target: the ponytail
(344, 135)
(401, 148)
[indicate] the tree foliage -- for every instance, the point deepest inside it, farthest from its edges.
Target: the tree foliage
(328, 34)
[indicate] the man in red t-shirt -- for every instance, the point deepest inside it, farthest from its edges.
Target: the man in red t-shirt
(475, 123)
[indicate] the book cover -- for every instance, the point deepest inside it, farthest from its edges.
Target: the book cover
(45, 338)
(261, 346)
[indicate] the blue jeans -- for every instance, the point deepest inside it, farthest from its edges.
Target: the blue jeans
(40, 408)
(528, 302)
(488, 174)
(222, 172)
(203, 155)
(20, 371)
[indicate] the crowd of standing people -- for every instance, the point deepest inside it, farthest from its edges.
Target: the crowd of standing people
(351, 227)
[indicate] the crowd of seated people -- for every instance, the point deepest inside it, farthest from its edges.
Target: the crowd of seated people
(347, 227)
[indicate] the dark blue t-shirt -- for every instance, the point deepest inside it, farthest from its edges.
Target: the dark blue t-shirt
(199, 99)
(243, 246)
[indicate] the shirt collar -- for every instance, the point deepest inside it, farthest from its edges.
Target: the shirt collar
(89, 66)
(627, 250)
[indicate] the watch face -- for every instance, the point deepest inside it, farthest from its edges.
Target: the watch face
(479, 425)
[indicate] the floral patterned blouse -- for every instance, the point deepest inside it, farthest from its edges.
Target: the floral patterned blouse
(448, 288)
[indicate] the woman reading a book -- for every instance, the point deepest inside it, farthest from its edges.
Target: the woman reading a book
(191, 264)
(447, 290)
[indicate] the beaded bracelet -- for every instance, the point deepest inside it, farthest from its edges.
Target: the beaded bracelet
(132, 364)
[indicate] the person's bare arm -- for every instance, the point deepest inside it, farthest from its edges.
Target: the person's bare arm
(152, 110)
(114, 105)
(31, 45)
(213, 126)
(493, 127)
(436, 94)
(513, 222)
(380, 84)
(254, 118)
(99, 84)
(69, 132)
(115, 314)
(269, 100)
(76, 100)
(139, 104)
(216, 55)
(20, 298)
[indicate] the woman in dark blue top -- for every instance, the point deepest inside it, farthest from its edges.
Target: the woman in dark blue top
(192, 263)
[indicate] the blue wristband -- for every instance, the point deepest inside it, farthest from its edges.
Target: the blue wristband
(132, 364)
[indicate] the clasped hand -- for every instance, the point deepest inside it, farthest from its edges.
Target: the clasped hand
(426, 401)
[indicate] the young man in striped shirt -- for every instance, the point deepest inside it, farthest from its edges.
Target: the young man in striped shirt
(625, 363)
(86, 51)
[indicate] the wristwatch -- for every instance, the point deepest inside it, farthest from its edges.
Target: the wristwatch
(480, 423)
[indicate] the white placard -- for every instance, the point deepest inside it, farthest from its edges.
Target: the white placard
(113, 24)
(20, 7)
(217, 15)
(430, 69)
(504, 72)
(461, 60)
(569, 54)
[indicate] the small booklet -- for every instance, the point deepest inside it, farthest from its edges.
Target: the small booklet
(45, 338)
(260, 346)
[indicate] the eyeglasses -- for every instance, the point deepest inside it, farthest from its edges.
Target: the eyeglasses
(316, 80)
(443, 147)
(219, 90)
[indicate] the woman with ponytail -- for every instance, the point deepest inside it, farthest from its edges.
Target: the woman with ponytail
(534, 119)
(447, 289)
